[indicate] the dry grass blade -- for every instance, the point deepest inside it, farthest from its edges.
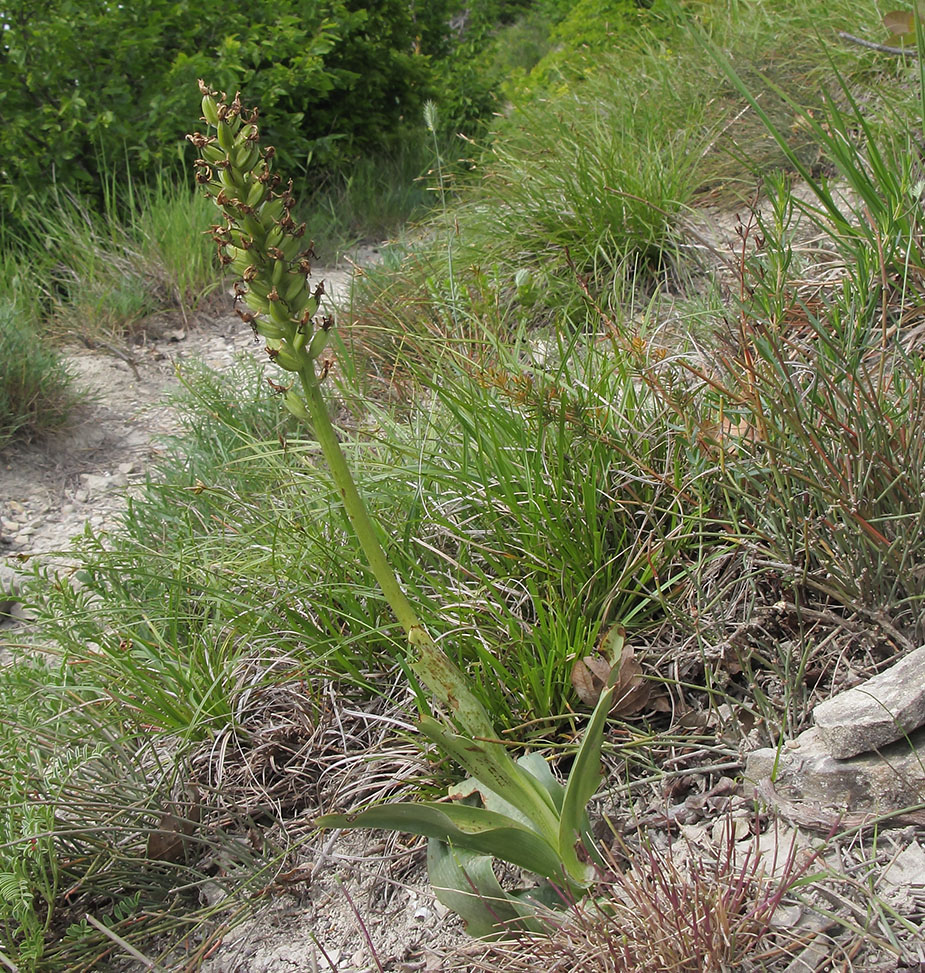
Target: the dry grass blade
(683, 907)
(305, 751)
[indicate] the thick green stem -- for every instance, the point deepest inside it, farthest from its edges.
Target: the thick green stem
(430, 663)
(354, 505)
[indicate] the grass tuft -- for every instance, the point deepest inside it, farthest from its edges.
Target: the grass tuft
(35, 386)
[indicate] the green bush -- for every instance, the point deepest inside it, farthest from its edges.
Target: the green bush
(578, 34)
(101, 271)
(100, 81)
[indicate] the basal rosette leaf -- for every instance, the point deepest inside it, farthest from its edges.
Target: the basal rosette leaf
(463, 826)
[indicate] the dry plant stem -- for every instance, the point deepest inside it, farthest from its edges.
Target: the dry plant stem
(873, 46)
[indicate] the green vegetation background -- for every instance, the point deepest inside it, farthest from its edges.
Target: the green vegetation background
(89, 88)
(563, 416)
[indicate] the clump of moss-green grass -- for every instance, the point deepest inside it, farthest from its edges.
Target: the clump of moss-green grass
(36, 394)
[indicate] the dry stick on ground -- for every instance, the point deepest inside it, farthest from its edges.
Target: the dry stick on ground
(124, 354)
(883, 48)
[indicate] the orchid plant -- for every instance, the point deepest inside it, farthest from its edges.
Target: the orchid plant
(512, 810)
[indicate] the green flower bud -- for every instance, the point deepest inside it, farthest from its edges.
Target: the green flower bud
(210, 109)
(269, 329)
(212, 153)
(279, 313)
(295, 405)
(253, 226)
(276, 274)
(256, 194)
(246, 156)
(293, 287)
(319, 342)
(286, 358)
(225, 136)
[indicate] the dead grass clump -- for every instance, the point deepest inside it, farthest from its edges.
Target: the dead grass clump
(681, 907)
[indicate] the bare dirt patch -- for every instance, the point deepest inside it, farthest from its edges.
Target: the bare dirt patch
(49, 490)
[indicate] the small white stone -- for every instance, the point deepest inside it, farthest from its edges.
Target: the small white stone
(880, 711)
(907, 868)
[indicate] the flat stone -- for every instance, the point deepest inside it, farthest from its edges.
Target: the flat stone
(96, 484)
(907, 868)
(804, 772)
(884, 708)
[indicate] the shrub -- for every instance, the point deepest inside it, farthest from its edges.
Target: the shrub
(99, 81)
(103, 271)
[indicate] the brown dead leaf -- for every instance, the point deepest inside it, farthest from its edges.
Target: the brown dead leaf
(174, 833)
(632, 691)
(615, 665)
(899, 22)
(589, 677)
(725, 436)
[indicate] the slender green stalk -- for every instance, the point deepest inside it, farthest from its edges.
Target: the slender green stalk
(430, 121)
(429, 662)
(354, 505)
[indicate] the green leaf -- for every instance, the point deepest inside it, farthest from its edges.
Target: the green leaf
(444, 679)
(465, 882)
(471, 828)
(491, 765)
(582, 784)
(535, 765)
